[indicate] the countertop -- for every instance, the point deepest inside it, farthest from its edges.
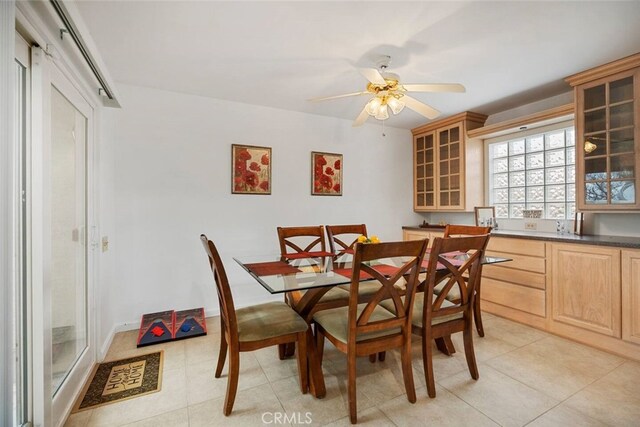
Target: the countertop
(616, 241)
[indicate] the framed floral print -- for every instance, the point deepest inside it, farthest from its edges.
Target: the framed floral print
(250, 169)
(326, 169)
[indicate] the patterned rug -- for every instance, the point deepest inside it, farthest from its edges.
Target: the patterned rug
(122, 379)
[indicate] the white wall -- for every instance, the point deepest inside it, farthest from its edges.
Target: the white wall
(171, 166)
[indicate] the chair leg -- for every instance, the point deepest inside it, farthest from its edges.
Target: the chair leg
(282, 351)
(372, 357)
(468, 351)
(319, 345)
(407, 372)
(222, 355)
(428, 366)
(303, 367)
(232, 381)
(382, 355)
(477, 314)
(351, 389)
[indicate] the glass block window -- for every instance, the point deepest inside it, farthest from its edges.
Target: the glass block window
(534, 172)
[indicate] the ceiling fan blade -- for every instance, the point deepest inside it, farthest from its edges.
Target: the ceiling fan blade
(325, 98)
(373, 76)
(362, 117)
(420, 108)
(434, 87)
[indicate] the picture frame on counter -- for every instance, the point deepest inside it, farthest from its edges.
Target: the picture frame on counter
(578, 223)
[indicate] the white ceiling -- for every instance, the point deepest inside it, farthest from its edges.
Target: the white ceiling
(279, 54)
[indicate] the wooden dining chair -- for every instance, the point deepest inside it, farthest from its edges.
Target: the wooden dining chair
(342, 239)
(252, 328)
(460, 231)
(362, 329)
(436, 317)
(312, 247)
(307, 242)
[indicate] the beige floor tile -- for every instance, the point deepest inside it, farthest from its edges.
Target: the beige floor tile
(170, 398)
(330, 408)
(555, 366)
(79, 419)
(511, 332)
(486, 316)
(485, 348)
(562, 415)
(443, 366)
(274, 368)
(253, 407)
(202, 348)
(203, 385)
(368, 417)
(445, 410)
(501, 398)
(179, 418)
(614, 399)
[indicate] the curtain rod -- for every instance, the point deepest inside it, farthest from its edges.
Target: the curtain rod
(62, 12)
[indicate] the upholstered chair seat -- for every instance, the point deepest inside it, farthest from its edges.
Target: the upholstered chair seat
(264, 321)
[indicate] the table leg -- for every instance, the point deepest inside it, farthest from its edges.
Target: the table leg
(445, 345)
(316, 377)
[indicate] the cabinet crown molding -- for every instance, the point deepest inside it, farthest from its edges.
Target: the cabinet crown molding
(604, 70)
(474, 120)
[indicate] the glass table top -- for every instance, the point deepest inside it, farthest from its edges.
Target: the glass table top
(278, 276)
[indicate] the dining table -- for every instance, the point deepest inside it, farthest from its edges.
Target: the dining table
(309, 278)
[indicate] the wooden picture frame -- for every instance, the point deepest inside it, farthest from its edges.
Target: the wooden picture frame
(326, 174)
(482, 212)
(250, 169)
(578, 223)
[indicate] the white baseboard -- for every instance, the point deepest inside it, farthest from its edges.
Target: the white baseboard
(135, 324)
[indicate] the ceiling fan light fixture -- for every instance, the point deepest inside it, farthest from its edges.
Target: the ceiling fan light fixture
(373, 106)
(395, 104)
(383, 113)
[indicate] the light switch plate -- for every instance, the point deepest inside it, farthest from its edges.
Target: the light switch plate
(105, 243)
(530, 226)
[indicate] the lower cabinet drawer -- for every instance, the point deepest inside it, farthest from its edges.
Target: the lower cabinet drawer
(521, 298)
(520, 277)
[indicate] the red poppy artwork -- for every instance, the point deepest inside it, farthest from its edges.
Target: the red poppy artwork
(326, 174)
(250, 169)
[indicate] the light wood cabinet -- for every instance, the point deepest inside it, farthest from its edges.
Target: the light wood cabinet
(518, 285)
(585, 286)
(631, 296)
(445, 162)
(608, 135)
(422, 234)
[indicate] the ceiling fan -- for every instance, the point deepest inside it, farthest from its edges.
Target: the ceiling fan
(389, 94)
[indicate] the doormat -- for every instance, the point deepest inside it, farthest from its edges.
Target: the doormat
(121, 380)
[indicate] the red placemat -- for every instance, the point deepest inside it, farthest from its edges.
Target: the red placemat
(454, 261)
(385, 270)
(317, 254)
(271, 268)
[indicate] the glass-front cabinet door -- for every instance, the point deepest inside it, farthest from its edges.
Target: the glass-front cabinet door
(424, 150)
(449, 167)
(608, 151)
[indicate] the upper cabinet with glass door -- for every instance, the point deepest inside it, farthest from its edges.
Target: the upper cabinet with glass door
(608, 136)
(445, 164)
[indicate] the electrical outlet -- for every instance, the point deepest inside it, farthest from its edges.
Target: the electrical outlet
(105, 243)
(530, 226)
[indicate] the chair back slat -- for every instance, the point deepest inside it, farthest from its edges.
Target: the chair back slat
(225, 299)
(414, 252)
(286, 234)
(472, 249)
(338, 246)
